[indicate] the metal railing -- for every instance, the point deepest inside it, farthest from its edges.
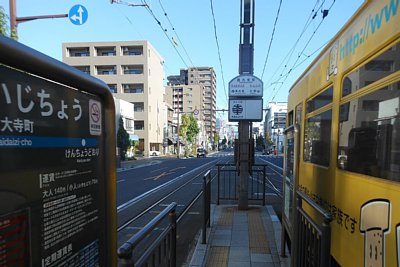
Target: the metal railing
(228, 182)
(162, 252)
(206, 205)
(312, 240)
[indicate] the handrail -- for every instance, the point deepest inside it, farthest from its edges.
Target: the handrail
(125, 251)
(206, 205)
(327, 215)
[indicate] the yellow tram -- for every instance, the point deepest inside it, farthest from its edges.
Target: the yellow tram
(343, 139)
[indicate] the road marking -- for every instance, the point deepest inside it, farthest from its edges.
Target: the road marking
(122, 180)
(155, 178)
(160, 169)
(145, 194)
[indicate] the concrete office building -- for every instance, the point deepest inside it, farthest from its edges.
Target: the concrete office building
(195, 89)
(134, 72)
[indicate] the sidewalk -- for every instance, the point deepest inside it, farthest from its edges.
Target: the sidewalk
(241, 238)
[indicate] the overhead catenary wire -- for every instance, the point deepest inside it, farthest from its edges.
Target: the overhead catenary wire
(272, 38)
(325, 13)
(163, 30)
(176, 33)
(291, 51)
(218, 49)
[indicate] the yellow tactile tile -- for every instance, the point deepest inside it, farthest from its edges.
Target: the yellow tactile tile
(218, 257)
(257, 235)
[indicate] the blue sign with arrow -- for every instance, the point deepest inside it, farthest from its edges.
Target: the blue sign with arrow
(78, 15)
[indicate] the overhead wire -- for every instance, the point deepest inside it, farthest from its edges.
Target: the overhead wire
(325, 13)
(218, 49)
(163, 30)
(291, 51)
(272, 38)
(176, 33)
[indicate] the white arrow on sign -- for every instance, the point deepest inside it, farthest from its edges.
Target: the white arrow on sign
(75, 17)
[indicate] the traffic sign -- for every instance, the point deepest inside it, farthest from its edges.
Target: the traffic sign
(246, 85)
(245, 109)
(78, 14)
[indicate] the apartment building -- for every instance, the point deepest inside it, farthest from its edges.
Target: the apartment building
(134, 72)
(275, 123)
(194, 89)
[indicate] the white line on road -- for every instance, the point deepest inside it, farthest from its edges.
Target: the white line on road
(160, 169)
(134, 200)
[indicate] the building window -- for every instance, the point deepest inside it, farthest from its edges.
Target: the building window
(132, 50)
(139, 125)
(113, 88)
(106, 70)
(106, 51)
(132, 69)
(78, 51)
(85, 69)
(133, 88)
(138, 106)
(129, 124)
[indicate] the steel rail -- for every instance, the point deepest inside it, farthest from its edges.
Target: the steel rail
(145, 211)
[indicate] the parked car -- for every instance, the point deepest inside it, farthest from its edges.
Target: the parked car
(201, 152)
(154, 153)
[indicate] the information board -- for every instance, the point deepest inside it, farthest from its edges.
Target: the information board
(245, 109)
(245, 85)
(51, 173)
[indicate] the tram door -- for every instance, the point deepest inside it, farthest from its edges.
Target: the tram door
(290, 182)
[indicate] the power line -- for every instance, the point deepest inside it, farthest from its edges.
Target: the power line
(290, 53)
(272, 37)
(177, 36)
(163, 29)
(325, 13)
(219, 53)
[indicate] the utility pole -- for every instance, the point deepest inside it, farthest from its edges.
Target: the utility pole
(14, 20)
(246, 54)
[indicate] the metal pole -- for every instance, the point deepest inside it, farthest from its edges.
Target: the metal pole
(13, 16)
(246, 54)
(204, 234)
(244, 166)
(178, 143)
(172, 220)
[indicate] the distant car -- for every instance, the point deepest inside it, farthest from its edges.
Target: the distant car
(201, 152)
(154, 153)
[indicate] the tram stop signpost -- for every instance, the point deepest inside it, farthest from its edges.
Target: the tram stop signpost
(57, 163)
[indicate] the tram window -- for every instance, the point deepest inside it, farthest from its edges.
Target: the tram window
(320, 100)
(299, 110)
(317, 138)
(372, 71)
(369, 138)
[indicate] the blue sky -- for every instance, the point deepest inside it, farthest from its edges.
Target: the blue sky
(193, 25)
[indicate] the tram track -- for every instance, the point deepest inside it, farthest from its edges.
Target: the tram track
(195, 180)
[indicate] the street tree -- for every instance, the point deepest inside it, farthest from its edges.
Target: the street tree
(4, 28)
(122, 139)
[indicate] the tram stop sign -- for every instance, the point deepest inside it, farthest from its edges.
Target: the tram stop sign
(57, 172)
(246, 85)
